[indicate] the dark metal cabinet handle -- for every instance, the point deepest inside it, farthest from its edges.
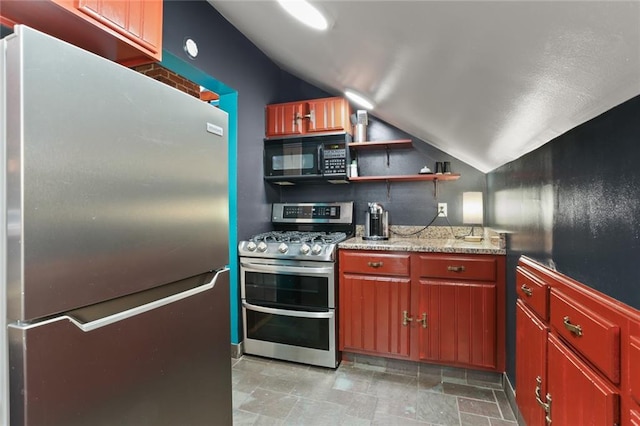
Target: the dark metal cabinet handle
(375, 264)
(575, 329)
(455, 268)
(526, 290)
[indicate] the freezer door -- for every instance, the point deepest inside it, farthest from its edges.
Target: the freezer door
(165, 362)
(116, 183)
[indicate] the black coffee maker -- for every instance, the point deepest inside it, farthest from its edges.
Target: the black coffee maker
(376, 225)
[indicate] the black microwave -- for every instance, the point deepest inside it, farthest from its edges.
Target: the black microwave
(306, 159)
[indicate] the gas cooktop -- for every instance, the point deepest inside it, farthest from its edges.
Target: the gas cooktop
(330, 223)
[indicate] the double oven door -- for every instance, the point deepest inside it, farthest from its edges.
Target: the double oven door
(288, 310)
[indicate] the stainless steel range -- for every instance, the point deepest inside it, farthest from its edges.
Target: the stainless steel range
(288, 283)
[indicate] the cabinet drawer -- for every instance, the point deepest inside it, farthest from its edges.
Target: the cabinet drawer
(533, 292)
(597, 338)
(634, 367)
(458, 267)
(375, 263)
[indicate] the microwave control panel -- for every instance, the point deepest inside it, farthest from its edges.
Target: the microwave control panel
(335, 159)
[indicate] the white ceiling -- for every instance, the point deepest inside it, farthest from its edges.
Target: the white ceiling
(483, 81)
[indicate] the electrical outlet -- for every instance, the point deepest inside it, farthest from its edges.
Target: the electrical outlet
(442, 209)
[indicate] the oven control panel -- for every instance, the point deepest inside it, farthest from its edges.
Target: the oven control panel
(313, 212)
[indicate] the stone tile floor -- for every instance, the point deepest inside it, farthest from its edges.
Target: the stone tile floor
(271, 392)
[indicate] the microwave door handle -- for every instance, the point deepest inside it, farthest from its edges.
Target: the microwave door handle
(320, 151)
(288, 313)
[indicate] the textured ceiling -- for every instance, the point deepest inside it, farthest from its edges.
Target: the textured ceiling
(483, 81)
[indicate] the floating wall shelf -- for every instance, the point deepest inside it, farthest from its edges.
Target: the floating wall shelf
(404, 178)
(395, 144)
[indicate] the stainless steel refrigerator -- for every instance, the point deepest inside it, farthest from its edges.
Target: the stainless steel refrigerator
(114, 244)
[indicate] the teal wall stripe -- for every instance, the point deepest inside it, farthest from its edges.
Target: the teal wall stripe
(229, 103)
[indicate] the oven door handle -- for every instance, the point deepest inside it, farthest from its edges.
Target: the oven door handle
(271, 269)
(286, 312)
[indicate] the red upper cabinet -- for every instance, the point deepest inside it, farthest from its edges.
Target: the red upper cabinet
(125, 31)
(284, 119)
(310, 117)
(139, 21)
(329, 115)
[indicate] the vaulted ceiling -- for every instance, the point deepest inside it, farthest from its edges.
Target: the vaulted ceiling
(483, 81)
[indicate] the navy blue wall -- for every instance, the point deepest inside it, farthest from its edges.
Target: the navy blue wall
(574, 205)
(229, 57)
(408, 203)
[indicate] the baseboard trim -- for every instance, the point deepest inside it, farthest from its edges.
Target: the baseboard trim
(237, 350)
(511, 397)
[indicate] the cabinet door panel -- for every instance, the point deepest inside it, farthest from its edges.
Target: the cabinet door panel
(371, 312)
(126, 31)
(116, 12)
(282, 119)
(634, 367)
(328, 115)
(578, 395)
(531, 355)
(461, 323)
(138, 20)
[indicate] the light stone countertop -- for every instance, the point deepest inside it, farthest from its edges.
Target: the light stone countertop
(433, 245)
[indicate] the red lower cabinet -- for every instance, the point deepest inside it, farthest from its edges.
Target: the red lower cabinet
(371, 314)
(531, 364)
(634, 368)
(441, 308)
(577, 353)
(577, 394)
(457, 322)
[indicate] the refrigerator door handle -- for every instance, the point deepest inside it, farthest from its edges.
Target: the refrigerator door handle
(284, 312)
(129, 313)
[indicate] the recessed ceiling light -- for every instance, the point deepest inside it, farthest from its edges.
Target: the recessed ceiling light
(359, 99)
(305, 13)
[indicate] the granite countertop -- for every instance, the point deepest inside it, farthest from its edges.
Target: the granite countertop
(434, 245)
